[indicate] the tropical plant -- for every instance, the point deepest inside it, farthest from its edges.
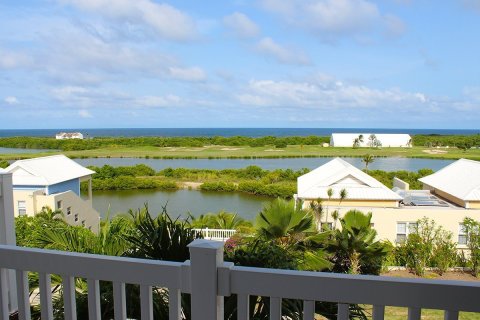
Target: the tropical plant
(220, 220)
(317, 209)
(343, 195)
(48, 214)
(368, 159)
(4, 164)
(427, 245)
(160, 238)
(282, 221)
(354, 248)
(329, 195)
(335, 215)
(472, 230)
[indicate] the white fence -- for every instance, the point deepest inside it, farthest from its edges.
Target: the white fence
(208, 279)
(217, 234)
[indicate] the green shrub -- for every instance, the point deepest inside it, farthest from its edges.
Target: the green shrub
(218, 186)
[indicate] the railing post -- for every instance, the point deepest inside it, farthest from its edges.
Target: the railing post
(7, 230)
(205, 257)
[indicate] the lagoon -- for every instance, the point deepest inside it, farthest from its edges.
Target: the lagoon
(386, 164)
(178, 203)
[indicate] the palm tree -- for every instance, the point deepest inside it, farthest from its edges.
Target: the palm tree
(282, 222)
(367, 159)
(356, 143)
(372, 140)
(293, 229)
(343, 195)
(330, 195)
(335, 215)
(48, 214)
(317, 209)
(354, 247)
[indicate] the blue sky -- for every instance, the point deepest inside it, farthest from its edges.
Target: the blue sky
(240, 63)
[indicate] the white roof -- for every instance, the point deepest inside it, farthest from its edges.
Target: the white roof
(2, 170)
(46, 171)
(460, 179)
(387, 139)
(338, 174)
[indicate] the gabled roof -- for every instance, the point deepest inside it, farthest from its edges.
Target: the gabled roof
(46, 171)
(460, 179)
(338, 174)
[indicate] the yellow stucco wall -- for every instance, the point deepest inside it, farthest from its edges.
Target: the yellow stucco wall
(474, 204)
(385, 219)
(35, 201)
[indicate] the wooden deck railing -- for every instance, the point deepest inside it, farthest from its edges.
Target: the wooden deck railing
(208, 279)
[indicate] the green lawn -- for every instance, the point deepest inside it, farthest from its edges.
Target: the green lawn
(261, 152)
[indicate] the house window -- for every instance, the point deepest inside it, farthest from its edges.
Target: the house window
(76, 217)
(69, 211)
(404, 229)
(462, 234)
(327, 226)
(83, 223)
(59, 204)
(22, 208)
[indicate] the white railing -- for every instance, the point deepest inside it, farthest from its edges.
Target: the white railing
(208, 279)
(217, 234)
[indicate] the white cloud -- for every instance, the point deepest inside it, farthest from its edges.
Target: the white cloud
(269, 47)
(11, 100)
(188, 74)
(84, 114)
(10, 59)
(158, 101)
(167, 21)
(330, 19)
(328, 94)
(241, 25)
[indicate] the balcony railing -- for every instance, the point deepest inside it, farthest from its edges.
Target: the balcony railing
(208, 279)
(216, 234)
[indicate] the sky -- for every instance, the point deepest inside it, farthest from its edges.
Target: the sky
(240, 63)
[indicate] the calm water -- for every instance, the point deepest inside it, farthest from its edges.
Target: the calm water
(178, 202)
(387, 164)
(226, 132)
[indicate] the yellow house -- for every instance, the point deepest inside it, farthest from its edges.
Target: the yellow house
(53, 182)
(393, 213)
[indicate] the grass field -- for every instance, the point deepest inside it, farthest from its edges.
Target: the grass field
(259, 152)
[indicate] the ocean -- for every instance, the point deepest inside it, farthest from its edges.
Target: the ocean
(226, 132)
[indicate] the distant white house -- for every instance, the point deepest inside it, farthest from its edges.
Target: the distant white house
(458, 182)
(68, 135)
(53, 182)
(370, 140)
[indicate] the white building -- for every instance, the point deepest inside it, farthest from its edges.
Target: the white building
(337, 174)
(394, 213)
(68, 135)
(458, 182)
(53, 182)
(366, 140)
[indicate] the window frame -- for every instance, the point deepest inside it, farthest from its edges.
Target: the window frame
(22, 210)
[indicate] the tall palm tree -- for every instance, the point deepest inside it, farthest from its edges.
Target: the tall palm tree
(329, 195)
(335, 215)
(368, 159)
(317, 210)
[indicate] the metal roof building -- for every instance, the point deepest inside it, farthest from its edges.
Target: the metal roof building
(338, 174)
(458, 182)
(46, 171)
(385, 139)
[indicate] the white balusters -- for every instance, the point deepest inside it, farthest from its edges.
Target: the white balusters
(23, 297)
(308, 310)
(146, 302)
(275, 308)
(46, 296)
(414, 313)
(119, 301)
(378, 312)
(243, 307)
(174, 304)
(94, 310)
(70, 305)
(343, 311)
(4, 308)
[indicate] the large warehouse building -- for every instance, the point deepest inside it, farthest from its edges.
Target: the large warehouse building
(371, 140)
